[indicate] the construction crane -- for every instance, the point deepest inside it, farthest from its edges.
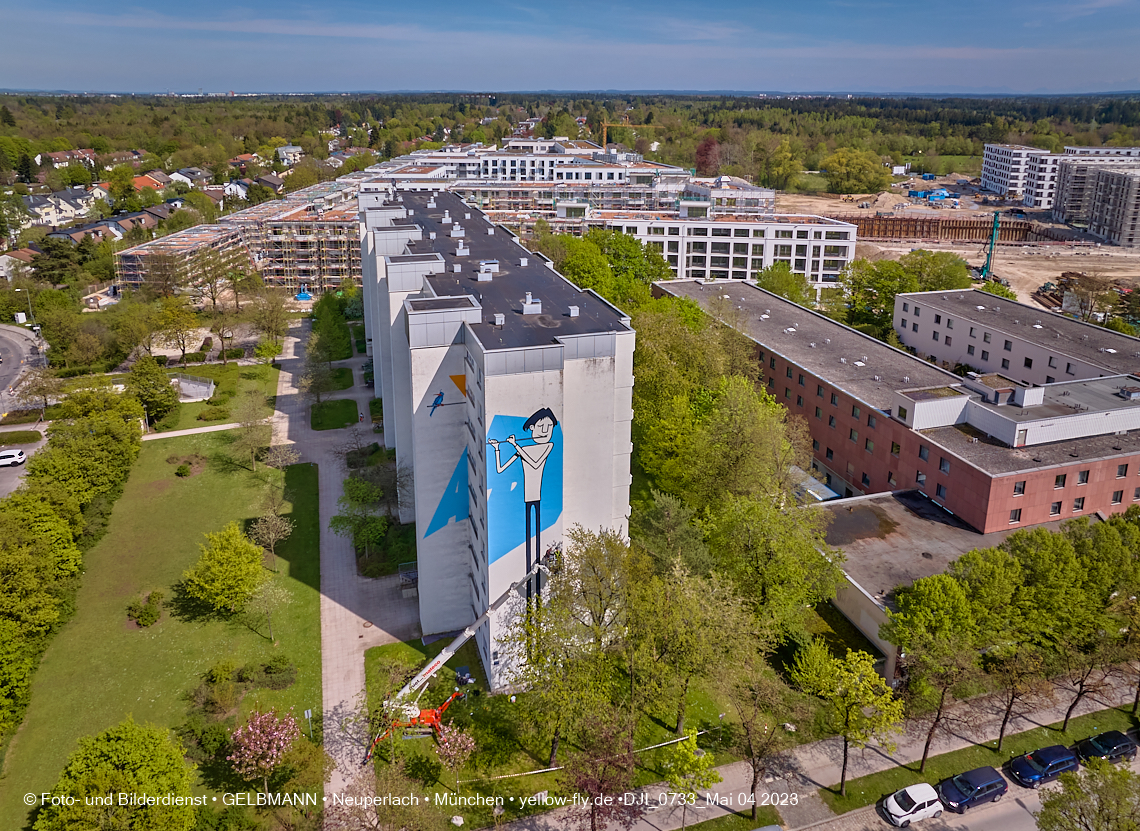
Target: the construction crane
(607, 124)
(987, 272)
(406, 713)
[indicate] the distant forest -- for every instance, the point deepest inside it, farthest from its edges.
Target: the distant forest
(751, 137)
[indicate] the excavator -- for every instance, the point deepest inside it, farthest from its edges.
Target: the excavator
(408, 714)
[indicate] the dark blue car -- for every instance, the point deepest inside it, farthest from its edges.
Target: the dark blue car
(972, 788)
(1035, 769)
(1112, 746)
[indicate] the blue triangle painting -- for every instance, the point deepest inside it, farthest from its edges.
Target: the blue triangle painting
(453, 504)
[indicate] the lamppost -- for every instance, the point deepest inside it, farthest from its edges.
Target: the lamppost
(31, 316)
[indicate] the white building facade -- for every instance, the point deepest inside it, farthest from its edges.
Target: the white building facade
(507, 394)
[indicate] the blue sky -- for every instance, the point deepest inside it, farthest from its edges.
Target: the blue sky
(803, 45)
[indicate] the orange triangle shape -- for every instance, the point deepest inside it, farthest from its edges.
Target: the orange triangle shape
(460, 381)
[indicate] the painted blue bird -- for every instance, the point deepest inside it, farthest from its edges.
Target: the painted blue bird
(437, 403)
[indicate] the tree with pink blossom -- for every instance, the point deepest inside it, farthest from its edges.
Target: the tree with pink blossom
(261, 743)
(454, 748)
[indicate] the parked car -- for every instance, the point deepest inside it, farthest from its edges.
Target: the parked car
(11, 458)
(911, 804)
(1033, 770)
(1112, 746)
(972, 788)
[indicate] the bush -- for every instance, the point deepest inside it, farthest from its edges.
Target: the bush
(360, 458)
(214, 414)
(221, 672)
(207, 344)
(170, 420)
(194, 357)
(161, 359)
(148, 613)
(182, 471)
(234, 353)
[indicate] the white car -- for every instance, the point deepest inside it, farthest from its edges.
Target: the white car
(912, 803)
(11, 458)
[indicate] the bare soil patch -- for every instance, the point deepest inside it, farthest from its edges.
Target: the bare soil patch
(195, 461)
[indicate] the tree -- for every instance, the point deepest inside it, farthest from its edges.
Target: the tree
(848, 170)
(937, 270)
(1021, 673)
(668, 532)
(252, 428)
(259, 745)
(268, 598)
(268, 530)
(281, 456)
(1102, 798)
(150, 385)
(708, 157)
(688, 771)
(358, 520)
(127, 758)
(363, 807)
(270, 316)
(755, 694)
(227, 325)
(861, 705)
(602, 771)
(871, 288)
(997, 289)
(177, 325)
(454, 747)
(39, 388)
(229, 571)
(779, 279)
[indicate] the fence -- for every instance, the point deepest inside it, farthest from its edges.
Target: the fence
(192, 387)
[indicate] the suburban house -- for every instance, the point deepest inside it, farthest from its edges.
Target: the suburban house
(217, 193)
(195, 177)
(244, 160)
(272, 181)
(64, 158)
(12, 261)
(159, 177)
(131, 157)
(59, 207)
(238, 188)
(147, 181)
(102, 190)
(290, 154)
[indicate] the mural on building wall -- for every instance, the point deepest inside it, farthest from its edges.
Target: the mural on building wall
(518, 512)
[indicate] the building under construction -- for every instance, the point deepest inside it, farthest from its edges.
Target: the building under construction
(181, 259)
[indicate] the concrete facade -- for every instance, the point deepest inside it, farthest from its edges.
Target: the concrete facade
(507, 395)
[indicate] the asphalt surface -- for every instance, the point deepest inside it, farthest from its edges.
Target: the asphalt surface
(18, 352)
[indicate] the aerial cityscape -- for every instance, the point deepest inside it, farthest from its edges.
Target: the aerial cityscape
(578, 418)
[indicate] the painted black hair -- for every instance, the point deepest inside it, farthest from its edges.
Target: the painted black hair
(539, 416)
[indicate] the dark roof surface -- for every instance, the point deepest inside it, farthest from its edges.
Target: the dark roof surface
(505, 292)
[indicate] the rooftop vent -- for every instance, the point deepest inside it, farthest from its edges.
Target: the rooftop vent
(790, 331)
(531, 306)
(906, 379)
(467, 215)
(573, 311)
(523, 261)
(860, 363)
(1130, 393)
(842, 360)
(812, 344)
(981, 308)
(500, 319)
(431, 235)
(1037, 326)
(490, 232)
(457, 268)
(827, 340)
(878, 377)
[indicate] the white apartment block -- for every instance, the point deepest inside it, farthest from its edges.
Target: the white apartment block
(1023, 343)
(1032, 174)
(1004, 167)
(728, 246)
(507, 392)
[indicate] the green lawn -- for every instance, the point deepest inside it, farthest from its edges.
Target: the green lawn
(335, 414)
(867, 790)
(20, 437)
(506, 736)
(99, 669)
(231, 381)
(765, 815)
(342, 378)
(357, 330)
(809, 183)
(968, 166)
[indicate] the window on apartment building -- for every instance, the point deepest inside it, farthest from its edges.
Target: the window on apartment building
(854, 411)
(788, 372)
(1015, 516)
(1005, 363)
(1029, 363)
(772, 362)
(1069, 369)
(866, 480)
(818, 412)
(985, 337)
(1083, 477)
(850, 469)
(1117, 497)
(892, 481)
(815, 445)
(918, 311)
(920, 479)
(871, 421)
(970, 349)
(937, 319)
(1055, 508)
(787, 393)
(831, 422)
(914, 327)
(674, 231)
(819, 390)
(830, 454)
(757, 232)
(771, 382)
(902, 413)
(940, 491)
(1059, 481)
(1008, 346)
(923, 452)
(1078, 504)
(935, 335)
(947, 340)
(905, 325)
(1121, 471)
(869, 446)
(853, 434)
(801, 380)
(1019, 488)
(906, 307)
(799, 400)
(973, 332)
(1049, 379)
(896, 448)
(1052, 362)
(985, 355)
(1136, 495)
(834, 400)
(943, 464)
(949, 323)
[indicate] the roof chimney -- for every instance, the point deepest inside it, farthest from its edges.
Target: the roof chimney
(522, 263)
(573, 311)
(531, 306)
(500, 319)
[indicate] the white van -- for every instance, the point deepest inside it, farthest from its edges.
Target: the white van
(11, 458)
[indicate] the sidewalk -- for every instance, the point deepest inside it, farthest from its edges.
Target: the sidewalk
(357, 612)
(803, 769)
(213, 428)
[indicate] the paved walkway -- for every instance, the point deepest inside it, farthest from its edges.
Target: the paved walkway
(213, 428)
(357, 613)
(808, 767)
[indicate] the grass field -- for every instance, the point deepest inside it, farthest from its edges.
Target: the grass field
(809, 183)
(231, 381)
(765, 815)
(20, 437)
(342, 378)
(100, 669)
(966, 165)
(335, 414)
(867, 790)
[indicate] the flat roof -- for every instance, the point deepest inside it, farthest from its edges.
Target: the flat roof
(893, 539)
(860, 365)
(763, 219)
(505, 292)
(1046, 329)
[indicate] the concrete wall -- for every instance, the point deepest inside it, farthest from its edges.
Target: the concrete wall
(867, 615)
